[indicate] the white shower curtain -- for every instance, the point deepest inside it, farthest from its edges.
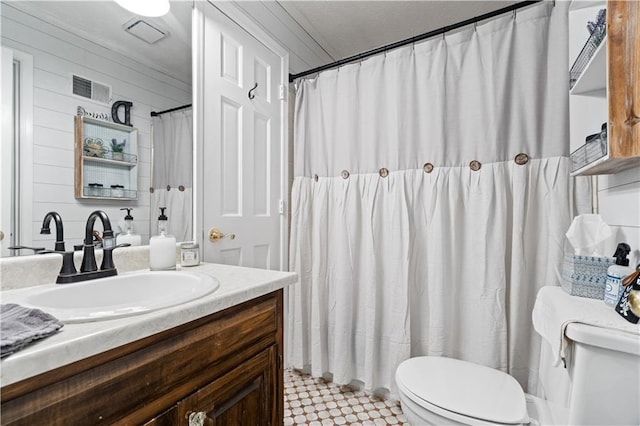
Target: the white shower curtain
(434, 258)
(173, 173)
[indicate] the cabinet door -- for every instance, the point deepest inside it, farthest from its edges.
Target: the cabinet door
(623, 35)
(245, 396)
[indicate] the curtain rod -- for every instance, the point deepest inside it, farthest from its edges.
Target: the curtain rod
(155, 114)
(445, 29)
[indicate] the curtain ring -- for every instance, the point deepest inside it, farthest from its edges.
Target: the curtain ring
(344, 174)
(151, 190)
(181, 188)
(384, 172)
(315, 177)
(168, 187)
(428, 167)
(475, 165)
(521, 159)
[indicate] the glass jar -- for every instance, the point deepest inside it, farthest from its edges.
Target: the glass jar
(117, 191)
(189, 254)
(95, 190)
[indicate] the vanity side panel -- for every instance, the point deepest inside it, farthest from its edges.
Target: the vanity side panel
(132, 386)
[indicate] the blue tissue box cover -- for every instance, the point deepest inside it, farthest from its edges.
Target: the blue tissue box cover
(585, 276)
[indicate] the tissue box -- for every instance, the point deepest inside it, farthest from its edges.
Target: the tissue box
(585, 276)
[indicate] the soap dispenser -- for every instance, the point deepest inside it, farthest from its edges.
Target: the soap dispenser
(616, 273)
(128, 236)
(162, 247)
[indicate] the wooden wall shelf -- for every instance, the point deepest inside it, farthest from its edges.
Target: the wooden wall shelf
(97, 163)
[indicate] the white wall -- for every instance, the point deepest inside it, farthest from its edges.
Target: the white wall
(57, 54)
(618, 195)
(619, 206)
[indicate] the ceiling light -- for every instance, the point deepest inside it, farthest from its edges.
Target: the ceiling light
(152, 8)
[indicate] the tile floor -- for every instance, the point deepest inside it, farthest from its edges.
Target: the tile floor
(317, 402)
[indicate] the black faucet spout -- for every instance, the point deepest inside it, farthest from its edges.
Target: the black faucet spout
(89, 257)
(106, 226)
(59, 229)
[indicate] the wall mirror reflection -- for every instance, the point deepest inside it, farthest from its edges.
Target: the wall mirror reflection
(61, 58)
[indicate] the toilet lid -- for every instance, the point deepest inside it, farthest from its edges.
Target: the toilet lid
(464, 388)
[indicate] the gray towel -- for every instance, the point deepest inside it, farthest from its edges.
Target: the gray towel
(21, 326)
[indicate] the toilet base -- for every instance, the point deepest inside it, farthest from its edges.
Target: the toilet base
(540, 411)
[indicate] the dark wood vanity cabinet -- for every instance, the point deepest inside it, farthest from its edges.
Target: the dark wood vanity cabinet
(225, 369)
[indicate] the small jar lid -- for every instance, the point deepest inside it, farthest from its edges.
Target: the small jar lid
(189, 245)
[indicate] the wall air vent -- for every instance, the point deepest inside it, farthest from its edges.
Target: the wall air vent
(91, 90)
(145, 31)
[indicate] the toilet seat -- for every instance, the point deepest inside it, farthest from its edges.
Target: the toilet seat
(462, 390)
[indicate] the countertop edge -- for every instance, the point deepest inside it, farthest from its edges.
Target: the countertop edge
(75, 342)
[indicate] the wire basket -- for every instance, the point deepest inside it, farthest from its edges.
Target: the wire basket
(594, 149)
(99, 191)
(598, 30)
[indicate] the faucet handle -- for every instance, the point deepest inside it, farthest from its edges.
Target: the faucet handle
(107, 256)
(68, 266)
(35, 249)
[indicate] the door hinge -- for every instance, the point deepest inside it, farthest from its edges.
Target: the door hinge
(282, 92)
(281, 207)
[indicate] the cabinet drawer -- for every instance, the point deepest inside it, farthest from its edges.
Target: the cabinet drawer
(133, 387)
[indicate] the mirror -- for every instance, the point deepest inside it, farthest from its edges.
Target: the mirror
(45, 44)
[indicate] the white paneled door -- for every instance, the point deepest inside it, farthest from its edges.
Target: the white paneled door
(242, 154)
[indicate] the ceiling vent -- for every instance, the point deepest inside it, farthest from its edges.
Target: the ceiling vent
(91, 90)
(145, 31)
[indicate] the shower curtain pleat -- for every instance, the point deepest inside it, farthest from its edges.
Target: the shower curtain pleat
(446, 262)
(172, 179)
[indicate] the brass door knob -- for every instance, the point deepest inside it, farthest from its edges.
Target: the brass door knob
(216, 235)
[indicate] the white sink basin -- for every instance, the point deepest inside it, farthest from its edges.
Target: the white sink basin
(122, 295)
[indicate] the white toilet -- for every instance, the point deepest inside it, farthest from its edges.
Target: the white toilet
(601, 385)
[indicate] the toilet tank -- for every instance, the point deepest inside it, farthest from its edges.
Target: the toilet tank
(604, 369)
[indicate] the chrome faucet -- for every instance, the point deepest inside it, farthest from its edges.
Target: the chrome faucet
(59, 229)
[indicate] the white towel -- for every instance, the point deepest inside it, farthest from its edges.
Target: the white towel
(20, 326)
(554, 310)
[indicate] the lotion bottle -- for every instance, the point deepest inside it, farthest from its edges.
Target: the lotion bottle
(162, 247)
(615, 274)
(128, 236)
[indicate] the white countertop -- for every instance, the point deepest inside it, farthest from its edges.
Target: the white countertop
(78, 341)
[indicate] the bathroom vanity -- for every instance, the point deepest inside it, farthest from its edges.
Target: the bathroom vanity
(216, 360)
